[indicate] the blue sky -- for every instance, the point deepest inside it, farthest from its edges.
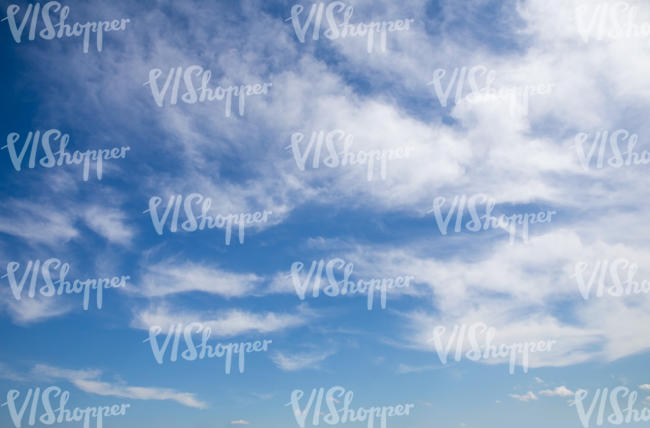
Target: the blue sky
(526, 162)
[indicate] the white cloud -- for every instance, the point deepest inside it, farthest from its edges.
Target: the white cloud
(38, 223)
(32, 310)
(560, 391)
(525, 397)
(513, 288)
(54, 223)
(299, 361)
(229, 323)
(7, 373)
(109, 223)
(645, 387)
(239, 422)
(88, 381)
(168, 277)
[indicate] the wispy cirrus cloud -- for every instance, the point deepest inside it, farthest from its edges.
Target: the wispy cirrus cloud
(89, 381)
(300, 361)
(529, 396)
(228, 323)
(169, 277)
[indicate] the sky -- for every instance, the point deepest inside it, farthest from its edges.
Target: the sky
(507, 108)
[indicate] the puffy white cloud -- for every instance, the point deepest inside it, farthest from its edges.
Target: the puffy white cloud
(560, 391)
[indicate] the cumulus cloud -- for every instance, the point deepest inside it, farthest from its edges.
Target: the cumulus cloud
(560, 391)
